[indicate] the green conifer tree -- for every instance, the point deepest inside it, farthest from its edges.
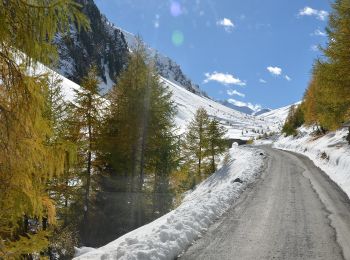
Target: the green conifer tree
(294, 120)
(88, 117)
(196, 142)
(216, 142)
(139, 137)
(61, 187)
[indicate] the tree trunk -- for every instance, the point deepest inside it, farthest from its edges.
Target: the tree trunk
(88, 175)
(213, 166)
(133, 187)
(200, 155)
(200, 149)
(144, 132)
(66, 204)
(87, 190)
(199, 163)
(66, 172)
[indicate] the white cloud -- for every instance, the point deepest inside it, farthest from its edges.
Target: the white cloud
(308, 11)
(318, 32)
(226, 79)
(287, 78)
(238, 103)
(262, 81)
(226, 23)
(274, 70)
(232, 92)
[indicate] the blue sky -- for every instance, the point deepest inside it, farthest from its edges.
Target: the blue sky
(249, 51)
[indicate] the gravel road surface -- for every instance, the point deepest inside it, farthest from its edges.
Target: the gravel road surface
(294, 211)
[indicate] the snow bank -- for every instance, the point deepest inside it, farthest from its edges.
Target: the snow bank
(169, 235)
(331, 153)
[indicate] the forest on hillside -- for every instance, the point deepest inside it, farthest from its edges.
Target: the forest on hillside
(326, 102)
(87, 171)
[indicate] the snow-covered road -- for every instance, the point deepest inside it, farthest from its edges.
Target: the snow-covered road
(293, 212)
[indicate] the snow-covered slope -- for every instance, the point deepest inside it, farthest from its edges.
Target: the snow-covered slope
(187, 104)
(243, 109)
(330, 152)
(169, 235)
(239, 125)
(262, 111)
(277, 115)
(275, 118)
(68, 86)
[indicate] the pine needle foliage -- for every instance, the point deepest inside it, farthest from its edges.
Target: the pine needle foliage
(216, 142)
(196, 144)
(87, 118)
(27, 158)
(204, 141)
(294, 120)
(30, 155)
(141, 118)
(31, 25)
(327, 99)
(139, 140)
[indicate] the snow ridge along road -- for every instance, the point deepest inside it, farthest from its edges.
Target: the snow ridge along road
(168, 236)
(293, 212)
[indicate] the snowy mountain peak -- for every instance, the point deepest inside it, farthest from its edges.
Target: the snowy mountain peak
(245, 109)
(107, 46)
(167, 67)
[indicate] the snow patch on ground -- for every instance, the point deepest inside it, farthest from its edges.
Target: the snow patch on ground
(169, 235)
(238, 124)
(276, 118)
(331, 153)
(263, 142)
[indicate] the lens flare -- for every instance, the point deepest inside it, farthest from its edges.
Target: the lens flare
(177, 38)
(175, 9)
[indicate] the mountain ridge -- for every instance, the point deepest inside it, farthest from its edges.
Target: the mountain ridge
(244, 109)
(107, 47)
